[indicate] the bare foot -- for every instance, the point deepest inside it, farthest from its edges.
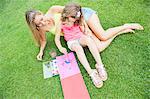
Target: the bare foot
(135, 26)
(127, 31)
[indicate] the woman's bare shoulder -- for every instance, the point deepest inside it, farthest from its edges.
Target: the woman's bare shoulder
(56, 9)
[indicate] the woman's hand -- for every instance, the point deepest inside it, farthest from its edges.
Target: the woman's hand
(39, 56)
(63, 50)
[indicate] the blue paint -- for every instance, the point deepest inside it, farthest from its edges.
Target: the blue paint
(67, 62)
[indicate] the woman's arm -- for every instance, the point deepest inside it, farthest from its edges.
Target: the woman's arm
(57, 39)
(55, 9)
(42, 46)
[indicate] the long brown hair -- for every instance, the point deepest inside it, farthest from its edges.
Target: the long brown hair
(37, 33)
(71, 9)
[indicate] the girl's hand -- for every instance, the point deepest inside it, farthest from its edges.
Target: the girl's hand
(39, 56)
(88, 32)
(63, 50)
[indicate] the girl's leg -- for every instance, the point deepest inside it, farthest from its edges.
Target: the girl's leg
(81, 56)
(95, 25)
(85, 40)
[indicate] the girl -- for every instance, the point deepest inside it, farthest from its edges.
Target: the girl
(73, 27)
(40, 24)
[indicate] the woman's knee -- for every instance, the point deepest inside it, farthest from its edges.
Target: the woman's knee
(101, 36)
(96, 27)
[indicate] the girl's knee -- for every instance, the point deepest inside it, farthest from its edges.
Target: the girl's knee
(89, 39)
(77, 48)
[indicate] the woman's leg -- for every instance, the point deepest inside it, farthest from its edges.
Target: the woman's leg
(96, 27)
(102, 45)
(85, 40)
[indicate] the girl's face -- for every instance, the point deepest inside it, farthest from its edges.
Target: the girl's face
(44, 23)
(75, 17)
(72, 18)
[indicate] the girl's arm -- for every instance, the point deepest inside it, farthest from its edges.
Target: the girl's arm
(84, 28)
(57, 39)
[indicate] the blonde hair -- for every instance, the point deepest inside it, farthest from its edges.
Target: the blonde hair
(30, 17)
(71, 9)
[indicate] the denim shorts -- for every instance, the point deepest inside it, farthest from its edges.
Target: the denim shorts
(87, 13)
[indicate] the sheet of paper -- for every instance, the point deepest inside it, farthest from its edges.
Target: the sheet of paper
(67, 65)
(50, 69)
(71, 79)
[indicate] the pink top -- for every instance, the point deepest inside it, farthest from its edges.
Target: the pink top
(71, 32)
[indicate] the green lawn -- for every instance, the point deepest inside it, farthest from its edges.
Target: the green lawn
(127, 59)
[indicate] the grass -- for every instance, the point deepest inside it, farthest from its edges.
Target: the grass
(126, 60)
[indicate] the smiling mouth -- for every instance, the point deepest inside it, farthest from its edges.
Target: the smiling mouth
(51, 22)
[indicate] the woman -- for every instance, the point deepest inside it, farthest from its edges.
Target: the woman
(40, 24)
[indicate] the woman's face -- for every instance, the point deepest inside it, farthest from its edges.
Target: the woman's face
(44, 23)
